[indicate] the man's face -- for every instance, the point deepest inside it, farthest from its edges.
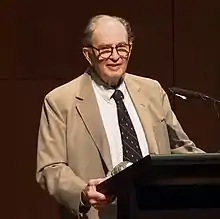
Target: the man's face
(111, 51)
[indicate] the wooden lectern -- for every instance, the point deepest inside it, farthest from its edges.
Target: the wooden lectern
(168, 186)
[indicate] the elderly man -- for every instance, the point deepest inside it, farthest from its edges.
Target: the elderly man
(101, 118)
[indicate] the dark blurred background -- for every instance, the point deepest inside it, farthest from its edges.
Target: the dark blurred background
(177, 43)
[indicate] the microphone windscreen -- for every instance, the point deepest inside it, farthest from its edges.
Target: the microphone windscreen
(118, 168)
(187, 93)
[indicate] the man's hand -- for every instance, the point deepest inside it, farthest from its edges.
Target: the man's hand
(91, 197)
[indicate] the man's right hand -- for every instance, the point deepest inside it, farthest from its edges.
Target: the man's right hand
(94, 198)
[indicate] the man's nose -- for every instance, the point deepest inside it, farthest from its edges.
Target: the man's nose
(114, 55)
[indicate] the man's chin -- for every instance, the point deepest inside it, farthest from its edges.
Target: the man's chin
(115, 74)
(114, 80)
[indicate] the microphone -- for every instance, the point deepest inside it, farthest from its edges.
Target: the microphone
(188, 93)
(184, 94)
(118, 168)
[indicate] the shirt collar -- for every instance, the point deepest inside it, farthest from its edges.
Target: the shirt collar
(107, 93)
(104, 91)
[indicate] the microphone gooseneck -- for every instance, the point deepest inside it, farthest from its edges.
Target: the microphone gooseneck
(184, 94)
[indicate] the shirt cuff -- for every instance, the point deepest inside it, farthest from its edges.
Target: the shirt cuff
(83, 207)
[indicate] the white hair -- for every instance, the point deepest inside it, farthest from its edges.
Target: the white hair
(92, 25)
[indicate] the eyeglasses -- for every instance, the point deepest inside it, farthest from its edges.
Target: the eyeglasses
(105, 52)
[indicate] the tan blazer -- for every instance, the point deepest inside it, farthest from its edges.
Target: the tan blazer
(72, 144)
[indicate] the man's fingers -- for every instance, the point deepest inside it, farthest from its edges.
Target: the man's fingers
(97, 196)
(96, 199)
(95, 182)
(100, 204)
(95, 202)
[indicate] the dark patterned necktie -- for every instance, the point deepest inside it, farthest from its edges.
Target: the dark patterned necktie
(131, 148)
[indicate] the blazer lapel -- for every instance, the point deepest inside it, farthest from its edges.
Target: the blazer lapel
(89, 111)
(141, 104)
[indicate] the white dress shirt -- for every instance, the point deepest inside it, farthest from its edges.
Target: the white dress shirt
(108, 111)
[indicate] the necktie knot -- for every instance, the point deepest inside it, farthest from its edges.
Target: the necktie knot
(118, 95)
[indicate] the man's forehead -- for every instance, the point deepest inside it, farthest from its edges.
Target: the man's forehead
(109, 31)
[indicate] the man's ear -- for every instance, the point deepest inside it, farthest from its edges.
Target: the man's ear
(131, 46)
(87, 55)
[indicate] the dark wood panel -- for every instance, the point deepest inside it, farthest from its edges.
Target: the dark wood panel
(8, 155)
(197, 66)
(7, 39)
(31, 200)
(153, 50)
(49, 37)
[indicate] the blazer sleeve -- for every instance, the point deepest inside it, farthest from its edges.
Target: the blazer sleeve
(53, 173)
(179, 141)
